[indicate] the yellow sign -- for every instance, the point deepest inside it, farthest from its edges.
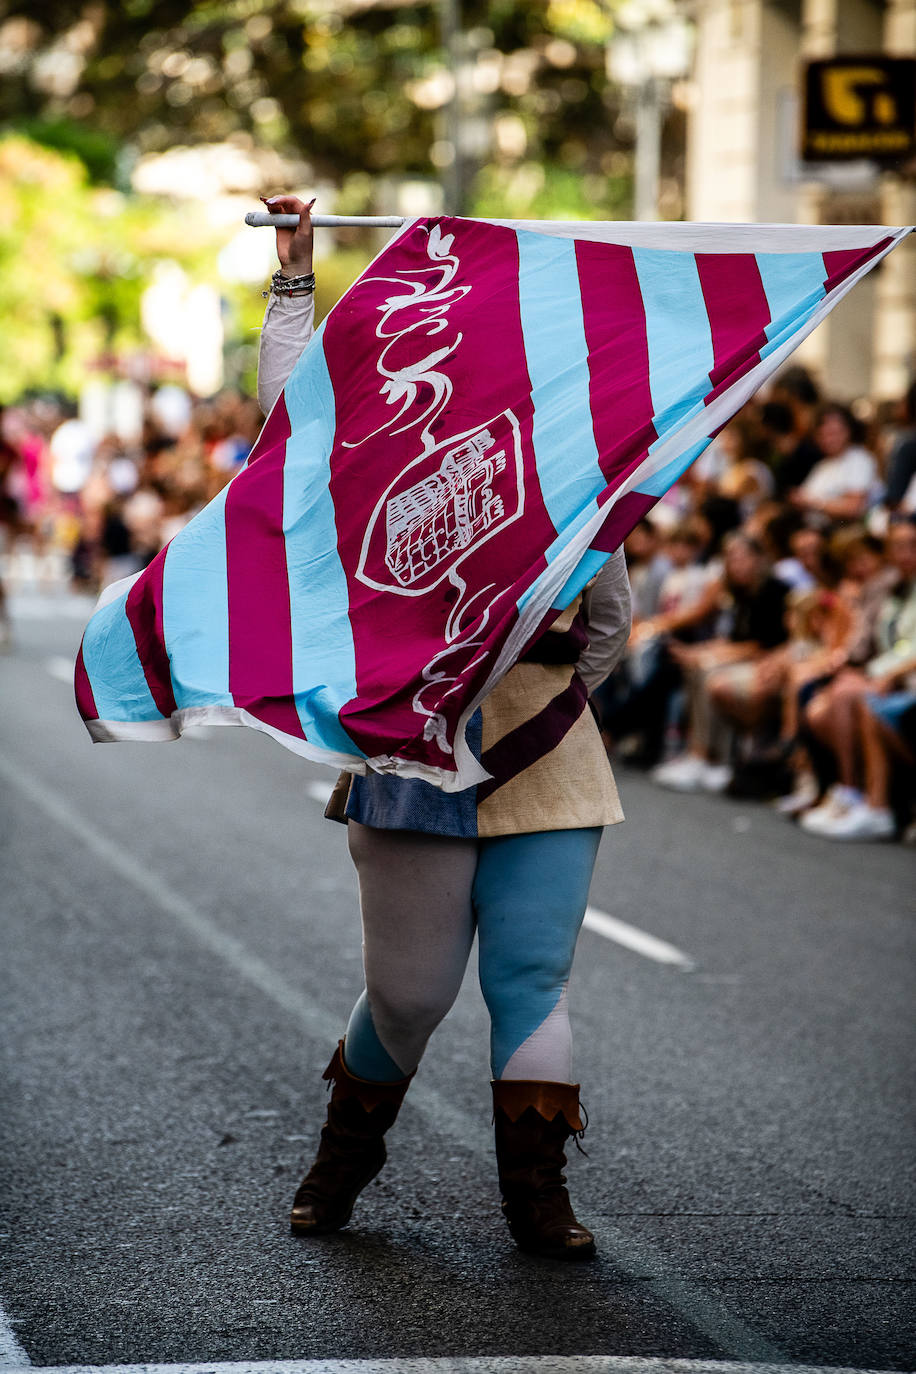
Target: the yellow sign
(859, 107)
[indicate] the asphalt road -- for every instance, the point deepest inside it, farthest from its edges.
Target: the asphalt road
(181, 952)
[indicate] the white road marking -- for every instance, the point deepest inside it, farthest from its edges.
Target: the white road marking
(61, 668)
(631, 937)
(460, 1364)
(629, 1255)
(12, 1355)
(436, 1107)
(598, 921)
(45, 606)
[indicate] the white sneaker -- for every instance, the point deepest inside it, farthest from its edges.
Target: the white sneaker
(803, 797)
(861, 822)
(715, 777)
(683, 774)
(836, 803)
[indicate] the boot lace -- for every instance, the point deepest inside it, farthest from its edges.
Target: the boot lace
(577, 1135)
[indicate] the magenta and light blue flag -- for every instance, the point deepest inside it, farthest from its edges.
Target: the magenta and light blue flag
(477, 425)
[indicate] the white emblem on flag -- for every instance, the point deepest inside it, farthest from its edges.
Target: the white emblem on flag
(446, 512)
(417, 310)
(443, 507)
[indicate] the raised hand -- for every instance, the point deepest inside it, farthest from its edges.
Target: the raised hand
(294, 246)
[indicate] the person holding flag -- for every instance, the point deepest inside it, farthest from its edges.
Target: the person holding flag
(511, 858)
(417, 578)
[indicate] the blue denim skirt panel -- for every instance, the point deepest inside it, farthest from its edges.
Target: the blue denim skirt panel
(390, 803)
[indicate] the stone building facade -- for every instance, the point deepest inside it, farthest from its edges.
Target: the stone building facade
(743, 164)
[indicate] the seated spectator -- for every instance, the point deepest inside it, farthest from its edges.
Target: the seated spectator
(142, 513)
(721, 673)
(901, 463)
(806, 565)
(799, 561)
(647, 567)
(818, 624)
(863, 582)
(721, 514)
(688, 576)
(734, 445)
(794, 387)
(792, 452)
(116, 544)
(820, 628)
(241, 423)
(634, 702)
(887, 730)
(844, 483)
(861, 708)
(749, 482)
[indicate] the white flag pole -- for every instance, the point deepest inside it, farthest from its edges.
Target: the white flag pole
(259, 219)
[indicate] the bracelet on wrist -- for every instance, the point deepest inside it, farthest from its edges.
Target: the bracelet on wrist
(291, 286)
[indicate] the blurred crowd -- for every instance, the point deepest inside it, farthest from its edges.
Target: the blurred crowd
(773, 652)
(109, 503)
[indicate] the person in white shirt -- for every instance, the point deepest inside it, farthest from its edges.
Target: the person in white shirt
(843, 484)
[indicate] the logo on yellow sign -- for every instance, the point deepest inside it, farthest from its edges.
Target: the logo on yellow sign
(859, 107)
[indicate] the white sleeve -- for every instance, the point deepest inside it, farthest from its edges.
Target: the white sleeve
(606, 603)
(289, 322)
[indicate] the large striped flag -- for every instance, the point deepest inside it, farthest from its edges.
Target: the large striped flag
(472, 431)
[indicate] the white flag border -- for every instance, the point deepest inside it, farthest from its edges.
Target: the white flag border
(694, 236)
(189, 717)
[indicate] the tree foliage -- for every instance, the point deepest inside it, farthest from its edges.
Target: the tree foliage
(357, 90)
(356, 87)
(74, 261)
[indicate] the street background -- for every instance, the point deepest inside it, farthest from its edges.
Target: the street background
(180, 926)
(182, 951)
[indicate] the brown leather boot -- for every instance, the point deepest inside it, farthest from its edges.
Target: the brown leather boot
(533, 1122)
(351, 1151)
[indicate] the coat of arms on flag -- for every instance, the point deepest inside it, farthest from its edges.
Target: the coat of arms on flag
(475, 427)
(443, 505)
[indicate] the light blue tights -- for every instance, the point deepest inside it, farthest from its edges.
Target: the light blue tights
(422, 897)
